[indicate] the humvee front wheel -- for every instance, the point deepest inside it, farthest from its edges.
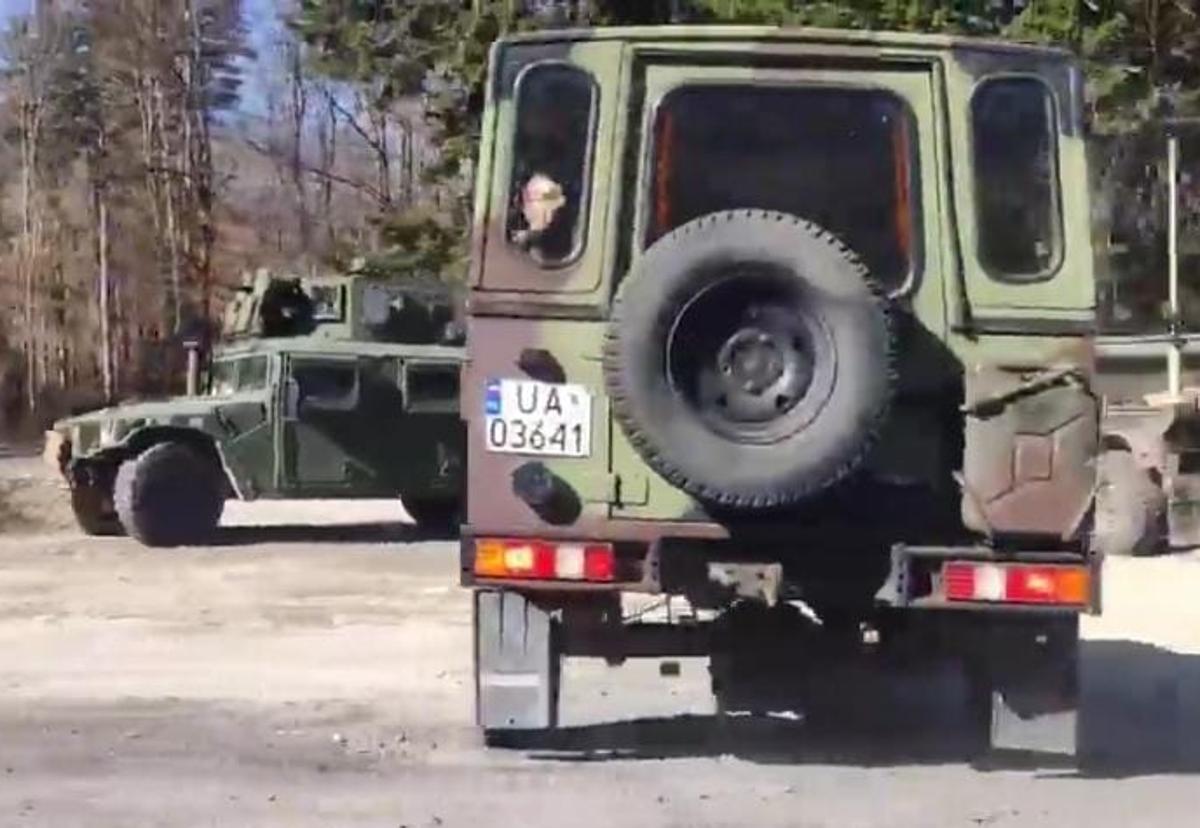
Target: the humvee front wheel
(169, 495)
(1131, 510)
(93, 508)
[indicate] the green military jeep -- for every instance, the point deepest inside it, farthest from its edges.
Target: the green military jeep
(790, 329)
(332, 387)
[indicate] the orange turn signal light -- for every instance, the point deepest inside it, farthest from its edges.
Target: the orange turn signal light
(512, 558)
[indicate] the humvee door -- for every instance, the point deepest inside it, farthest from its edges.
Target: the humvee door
(320, 424)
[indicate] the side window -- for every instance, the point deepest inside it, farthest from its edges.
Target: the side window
(431, 388)
(548, 196)
(326, 386)
(1016, 179)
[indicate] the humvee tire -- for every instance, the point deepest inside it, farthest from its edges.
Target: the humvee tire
(434, 513)
(1131, 511)
(749, 358)
(169, 495)
(89, 503)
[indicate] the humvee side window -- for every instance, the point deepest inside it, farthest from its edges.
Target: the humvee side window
(840, 157)
(327, 386)
(431, 388)
(552, 148)
(1016, 178)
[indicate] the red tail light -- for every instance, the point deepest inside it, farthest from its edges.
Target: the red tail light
(1016, 583)
(544, 560)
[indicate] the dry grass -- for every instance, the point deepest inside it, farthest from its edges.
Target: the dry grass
(34, 504)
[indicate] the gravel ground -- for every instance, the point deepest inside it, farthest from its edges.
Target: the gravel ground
(319, 676)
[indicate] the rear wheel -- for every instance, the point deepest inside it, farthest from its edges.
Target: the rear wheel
(435, 513)
(1131, 510)
(169, 495)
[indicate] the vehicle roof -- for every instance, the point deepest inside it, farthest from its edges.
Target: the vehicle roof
(785, 34)
(335, 347)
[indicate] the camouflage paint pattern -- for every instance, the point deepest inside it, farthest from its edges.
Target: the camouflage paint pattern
(1017, 355)
(398, 430)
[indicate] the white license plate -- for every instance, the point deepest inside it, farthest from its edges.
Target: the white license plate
(528, 417)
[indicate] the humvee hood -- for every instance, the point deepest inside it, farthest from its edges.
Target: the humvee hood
(174, 410)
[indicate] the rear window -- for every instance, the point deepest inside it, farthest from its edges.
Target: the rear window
(1016, 178)
(548, 195)
(842, 158)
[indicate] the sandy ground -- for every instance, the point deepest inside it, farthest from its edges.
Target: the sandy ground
(319, 676)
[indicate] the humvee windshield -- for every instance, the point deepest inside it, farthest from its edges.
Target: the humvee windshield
(232, 375)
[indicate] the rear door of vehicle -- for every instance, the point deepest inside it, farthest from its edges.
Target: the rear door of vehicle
(853, 146)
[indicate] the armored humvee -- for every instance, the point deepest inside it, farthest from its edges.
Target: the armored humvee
(790, 331)
(1148, 356)
(323, 387)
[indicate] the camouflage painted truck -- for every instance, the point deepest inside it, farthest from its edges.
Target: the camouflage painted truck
(324, 387)
(787, 329)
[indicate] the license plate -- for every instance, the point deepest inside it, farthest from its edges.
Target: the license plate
(529, 417)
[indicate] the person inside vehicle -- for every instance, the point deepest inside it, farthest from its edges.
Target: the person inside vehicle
(553, 124)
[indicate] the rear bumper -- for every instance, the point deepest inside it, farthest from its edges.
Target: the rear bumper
(910, 580)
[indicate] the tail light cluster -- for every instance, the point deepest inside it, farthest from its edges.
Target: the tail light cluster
(1016, 583)
(544, 560)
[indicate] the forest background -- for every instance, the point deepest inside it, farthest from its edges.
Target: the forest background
(151, 151)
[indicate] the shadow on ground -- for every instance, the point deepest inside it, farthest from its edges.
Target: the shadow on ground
(344, 533)
(1141, 716)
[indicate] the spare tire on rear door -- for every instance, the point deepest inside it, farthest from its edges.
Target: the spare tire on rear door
(749, 358)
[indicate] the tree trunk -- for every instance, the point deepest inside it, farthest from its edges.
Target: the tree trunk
(106, 361)
(299, 106)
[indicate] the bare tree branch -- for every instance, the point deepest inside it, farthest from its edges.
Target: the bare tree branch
(360, 186)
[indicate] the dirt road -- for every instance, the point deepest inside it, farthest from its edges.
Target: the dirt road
(320, 677)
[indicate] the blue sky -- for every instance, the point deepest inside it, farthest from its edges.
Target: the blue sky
(10, 8)
(263, 25)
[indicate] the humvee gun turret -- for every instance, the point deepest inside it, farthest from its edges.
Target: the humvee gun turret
(322, 387)
(793, 325)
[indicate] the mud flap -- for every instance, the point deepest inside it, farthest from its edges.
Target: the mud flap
(516, 663)
(1024, 677)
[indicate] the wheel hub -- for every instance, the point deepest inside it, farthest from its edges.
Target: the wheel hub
(764, 370)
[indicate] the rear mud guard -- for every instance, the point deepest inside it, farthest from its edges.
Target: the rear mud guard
(1023, 679)
(516, 663)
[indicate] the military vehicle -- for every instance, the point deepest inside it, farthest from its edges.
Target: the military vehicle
(1148, 356)
(323, 387)
(788, 330)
